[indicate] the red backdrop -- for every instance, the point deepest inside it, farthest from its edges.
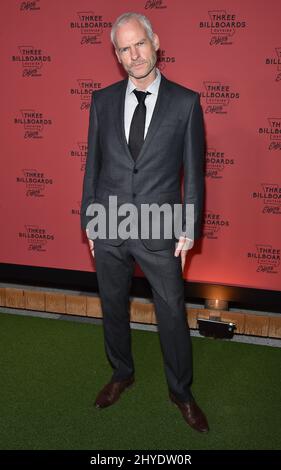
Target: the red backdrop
(54, 52)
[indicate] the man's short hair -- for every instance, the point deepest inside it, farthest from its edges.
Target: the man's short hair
(124, 18)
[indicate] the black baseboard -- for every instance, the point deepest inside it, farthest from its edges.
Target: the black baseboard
(195, 292)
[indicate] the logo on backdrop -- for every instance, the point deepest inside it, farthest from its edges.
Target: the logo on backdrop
(80, 154)
(84, 89)
(154, 4)
(91, 27)
(35, 182)
(76, 210)
(276, 61)
(32, 5)
(32, 60)
(33, 123)
(217, 97)
(222, 26)
(267, 258)
(37, 238)
(213, 224)
(269, 196)
(164, 59)
(216, 163)
(273, 132)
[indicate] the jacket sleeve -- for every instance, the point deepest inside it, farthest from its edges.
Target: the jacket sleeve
(93, 164)
(193, 166)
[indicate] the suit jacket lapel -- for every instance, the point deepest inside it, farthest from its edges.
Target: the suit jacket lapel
(159, 112)
(119, 113)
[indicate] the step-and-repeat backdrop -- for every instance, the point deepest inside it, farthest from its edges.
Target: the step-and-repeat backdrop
(55, 52)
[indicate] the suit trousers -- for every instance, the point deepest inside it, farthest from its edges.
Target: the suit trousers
(115, 268)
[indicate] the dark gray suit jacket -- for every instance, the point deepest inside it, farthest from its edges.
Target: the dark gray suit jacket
(173, 148)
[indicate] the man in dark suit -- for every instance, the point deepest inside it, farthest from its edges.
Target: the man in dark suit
(143, 132)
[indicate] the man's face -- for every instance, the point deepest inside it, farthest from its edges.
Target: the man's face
(135, 50)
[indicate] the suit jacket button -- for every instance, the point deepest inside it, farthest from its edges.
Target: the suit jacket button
(134, 194)
(135, 170)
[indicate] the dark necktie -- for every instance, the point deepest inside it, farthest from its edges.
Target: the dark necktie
(136, 136)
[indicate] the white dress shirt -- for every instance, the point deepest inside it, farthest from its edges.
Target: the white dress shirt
(131, 103)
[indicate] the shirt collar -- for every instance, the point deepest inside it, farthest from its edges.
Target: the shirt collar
(152, 88)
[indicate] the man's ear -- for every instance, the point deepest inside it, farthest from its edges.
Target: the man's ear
(156, 41)
(117, 55)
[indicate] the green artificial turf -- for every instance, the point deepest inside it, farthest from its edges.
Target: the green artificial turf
(51, 371)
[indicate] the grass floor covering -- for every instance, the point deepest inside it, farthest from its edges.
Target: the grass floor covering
(51, 371)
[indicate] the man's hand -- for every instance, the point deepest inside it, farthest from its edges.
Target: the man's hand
(184, 244)
(91, 243)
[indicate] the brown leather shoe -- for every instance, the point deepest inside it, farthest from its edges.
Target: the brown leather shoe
(191, 414)
(111, 392)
